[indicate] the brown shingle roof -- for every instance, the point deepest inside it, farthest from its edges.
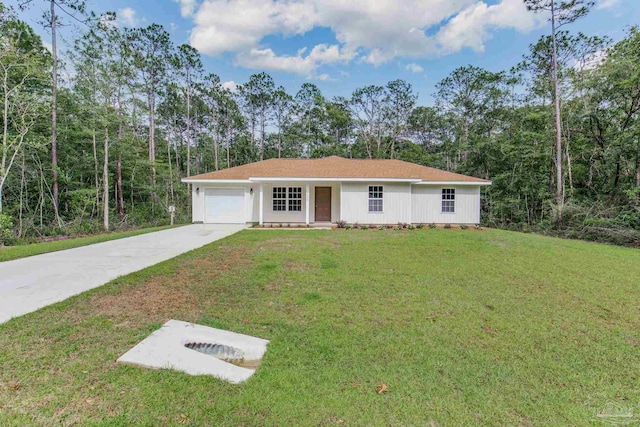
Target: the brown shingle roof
(336, 167)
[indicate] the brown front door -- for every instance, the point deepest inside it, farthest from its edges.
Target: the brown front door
(323, 204)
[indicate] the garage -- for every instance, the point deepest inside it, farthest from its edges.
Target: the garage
(224, 205)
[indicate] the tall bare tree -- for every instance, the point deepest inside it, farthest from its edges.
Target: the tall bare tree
(560, 13)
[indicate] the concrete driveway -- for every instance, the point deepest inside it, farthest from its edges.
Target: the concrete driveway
(28, 284)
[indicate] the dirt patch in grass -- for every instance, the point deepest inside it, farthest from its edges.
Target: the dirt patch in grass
(296, 266)
(180, 295)
(153, 300)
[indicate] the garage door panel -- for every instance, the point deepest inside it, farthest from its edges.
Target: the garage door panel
(224, 205)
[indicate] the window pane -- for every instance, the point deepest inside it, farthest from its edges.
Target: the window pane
(375, 205)
(448, 206)
(295, 205)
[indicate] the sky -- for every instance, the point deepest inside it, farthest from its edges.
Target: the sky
(341, 45)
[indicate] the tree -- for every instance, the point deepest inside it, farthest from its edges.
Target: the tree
(51, 20)
(23, 68)
(560, 12)
(151, 49)
(189, 66)
(399, 101)
(282, 109)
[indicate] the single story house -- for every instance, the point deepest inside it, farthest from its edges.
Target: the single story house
(330, 189)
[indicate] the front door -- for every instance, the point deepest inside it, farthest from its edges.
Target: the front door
(323, 204)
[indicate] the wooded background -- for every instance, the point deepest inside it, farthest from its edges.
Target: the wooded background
(107, 147)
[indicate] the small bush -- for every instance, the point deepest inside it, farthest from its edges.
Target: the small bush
(463, 227)
(420, 226)
(341, 224)
(6, 230)
(255, 224)
(347, 227)
(432, 225)
(364, 227)
(447, 226)
(382, 227)
(410, 227)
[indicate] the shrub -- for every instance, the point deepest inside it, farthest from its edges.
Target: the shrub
(6, 230)
(420, 226)
(432, 225)
(341, 223)
(410, 227)
(255, 224)
(364, 227)
(382, 227)
(447, 226)
(463, 226)
(347, 227)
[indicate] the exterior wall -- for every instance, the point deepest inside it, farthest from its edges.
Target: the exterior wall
(426, 205)
(295, 217)
(197, 200)
(396, 203)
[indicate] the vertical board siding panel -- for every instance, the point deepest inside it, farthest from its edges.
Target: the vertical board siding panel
(396, 203)
(427, 205)
(197, 204)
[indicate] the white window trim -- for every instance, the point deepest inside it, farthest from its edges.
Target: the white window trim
(369, 199)
(286, 200)
(448, 200)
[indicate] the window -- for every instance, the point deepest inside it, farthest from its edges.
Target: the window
(448, 200)
(279, 199)
(375, 198)
(287, 199)
(295, 199)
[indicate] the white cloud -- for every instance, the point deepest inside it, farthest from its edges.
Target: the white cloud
(325, 78)
(606, 4)
(471, 27)
(230, 85)
(127, 17)
(267, 59)
(414, 68)
(372, 31)
(187, 7)
(47, 46)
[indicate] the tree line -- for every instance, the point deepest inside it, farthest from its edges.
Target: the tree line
(558, 134)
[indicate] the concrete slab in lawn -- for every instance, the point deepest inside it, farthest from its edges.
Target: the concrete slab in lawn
(165, 349)
(28, 284)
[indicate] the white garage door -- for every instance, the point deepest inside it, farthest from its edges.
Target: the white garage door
(224, 205)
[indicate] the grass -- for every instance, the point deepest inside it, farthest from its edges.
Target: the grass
(21, 251)
(464, 327)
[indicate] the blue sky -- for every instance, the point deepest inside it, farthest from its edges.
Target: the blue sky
(340, 45)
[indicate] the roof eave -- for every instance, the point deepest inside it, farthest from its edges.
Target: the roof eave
(310, 179)
(481, 183)
(208, 180)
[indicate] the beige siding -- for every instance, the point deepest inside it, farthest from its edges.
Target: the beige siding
(426, 205)
(396, 203)
(197, 213)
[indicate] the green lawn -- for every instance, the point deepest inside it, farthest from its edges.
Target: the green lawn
(465, 327)
(21, 251)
